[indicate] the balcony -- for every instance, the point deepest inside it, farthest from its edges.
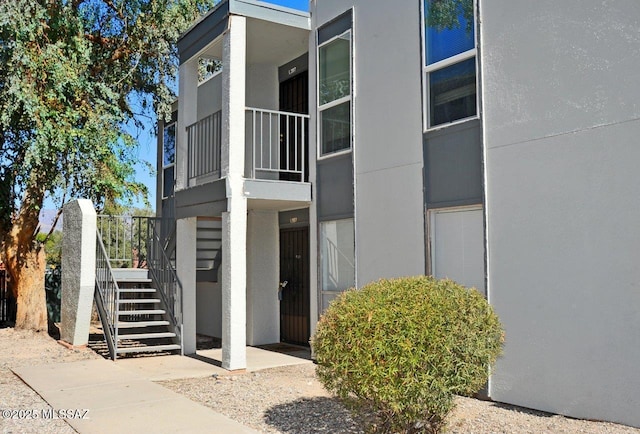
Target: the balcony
(276, 147)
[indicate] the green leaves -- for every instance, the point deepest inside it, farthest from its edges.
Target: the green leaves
(69, 71)
(400, 349)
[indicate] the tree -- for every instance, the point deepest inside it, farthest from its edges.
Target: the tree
(70, 71)
(446, 14)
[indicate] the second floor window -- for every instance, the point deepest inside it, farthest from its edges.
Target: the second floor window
(334, 94)
(449, 61)
(169, 159)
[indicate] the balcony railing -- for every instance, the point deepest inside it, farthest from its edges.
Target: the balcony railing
(277, 144)
(204, 142)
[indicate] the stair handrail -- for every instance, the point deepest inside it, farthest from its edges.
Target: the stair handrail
(107, 294)
(164, 275)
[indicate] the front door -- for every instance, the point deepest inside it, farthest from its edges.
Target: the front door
(294, 278)
(294, 98)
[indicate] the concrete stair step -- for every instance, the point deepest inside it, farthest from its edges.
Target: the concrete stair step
(138, 324)
(134, 290)
(132, 280)
(143, 312)
(139, 301)
(148, 348)
(158, 335)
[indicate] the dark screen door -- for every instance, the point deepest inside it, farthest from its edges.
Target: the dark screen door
(294, 270)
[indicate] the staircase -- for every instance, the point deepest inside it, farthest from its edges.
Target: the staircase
(140, 308)
(208, 249)
(143, 325)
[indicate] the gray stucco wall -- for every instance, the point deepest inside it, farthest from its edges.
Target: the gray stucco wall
(561, 121)
(389, 214)
(453, 165)
(210, 96)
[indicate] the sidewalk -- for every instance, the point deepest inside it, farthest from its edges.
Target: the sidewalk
(121, 400)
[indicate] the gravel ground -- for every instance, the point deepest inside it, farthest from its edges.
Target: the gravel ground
(291, 400)
(280, 400)
(26, 348)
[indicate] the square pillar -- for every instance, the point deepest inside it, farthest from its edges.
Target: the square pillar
(234, 221)
(234, 285)
(187, 115)
(186, 238)
(78, 271)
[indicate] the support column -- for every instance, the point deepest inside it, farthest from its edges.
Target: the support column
(234, 221)
(186, 234)
(78, 271)
(187, 115)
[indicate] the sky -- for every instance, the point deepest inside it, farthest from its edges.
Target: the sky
(302, 5)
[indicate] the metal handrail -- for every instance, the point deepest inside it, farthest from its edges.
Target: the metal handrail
(124, 239)
(163, 274)
(107, 296)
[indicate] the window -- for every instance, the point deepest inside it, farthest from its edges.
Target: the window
(337, 255)
(334, 94)
(169, 159)
(449, 61)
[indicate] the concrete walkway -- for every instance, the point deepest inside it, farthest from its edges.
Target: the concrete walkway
(121, 396)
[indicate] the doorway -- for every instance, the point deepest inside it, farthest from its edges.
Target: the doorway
(294, 292)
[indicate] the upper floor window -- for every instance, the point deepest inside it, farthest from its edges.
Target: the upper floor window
(334, 94)
(168, 159)
(449, 61)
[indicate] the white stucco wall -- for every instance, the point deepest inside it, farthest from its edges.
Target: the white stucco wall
(263, 274)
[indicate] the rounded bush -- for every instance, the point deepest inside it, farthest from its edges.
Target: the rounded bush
(397, 351)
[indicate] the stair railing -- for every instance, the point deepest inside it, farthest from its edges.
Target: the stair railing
(163, 273)
(107, 296)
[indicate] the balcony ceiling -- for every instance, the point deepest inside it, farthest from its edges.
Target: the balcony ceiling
(268, 43)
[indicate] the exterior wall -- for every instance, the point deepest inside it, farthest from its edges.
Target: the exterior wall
(263, 276)
(561, 121)
(262, 86)
(209, 309)
(387, 144)
(210, 96)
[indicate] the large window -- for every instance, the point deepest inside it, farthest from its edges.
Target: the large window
(334, 94)
(337, 255)
(169, 159)
(449, 61)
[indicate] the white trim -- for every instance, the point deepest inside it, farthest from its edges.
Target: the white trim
(449, 61)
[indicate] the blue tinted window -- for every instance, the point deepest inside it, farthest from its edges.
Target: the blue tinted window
(452, 92)
(442, 43)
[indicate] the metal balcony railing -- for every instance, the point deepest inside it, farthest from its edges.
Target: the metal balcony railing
(204, 142)
(277, 144)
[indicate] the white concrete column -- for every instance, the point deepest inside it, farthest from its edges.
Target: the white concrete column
(234, 287)
(186, 234)
(187, 115)
(234, 221)
(78, 271)
(263, 277)
(233, 97)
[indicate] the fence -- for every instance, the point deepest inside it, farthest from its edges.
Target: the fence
(7, 302)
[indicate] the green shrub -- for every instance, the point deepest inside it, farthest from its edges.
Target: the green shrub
(397, 351)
